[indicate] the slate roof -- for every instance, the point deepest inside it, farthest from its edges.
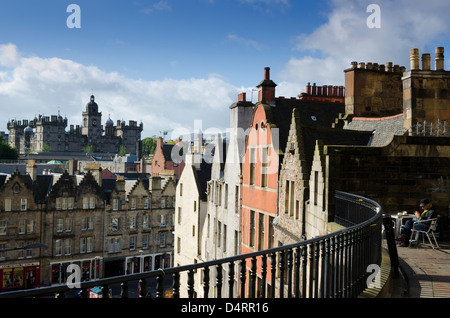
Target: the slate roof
(384, 128)
(307, 135)
(311, 113)
(202, 177)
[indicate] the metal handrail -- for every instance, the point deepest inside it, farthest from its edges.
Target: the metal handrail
(325, 243)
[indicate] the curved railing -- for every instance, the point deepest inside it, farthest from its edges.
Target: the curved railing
(329, 266)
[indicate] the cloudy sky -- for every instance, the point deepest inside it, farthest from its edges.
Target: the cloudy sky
(169, 63)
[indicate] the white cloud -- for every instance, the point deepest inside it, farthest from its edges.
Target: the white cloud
(33, 85)
(345, 37)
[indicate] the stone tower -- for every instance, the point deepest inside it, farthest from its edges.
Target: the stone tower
(91, 126)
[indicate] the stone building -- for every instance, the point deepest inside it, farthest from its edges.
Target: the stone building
(299, 173)
(21, 223)
(139, 225)
(190, 215)
(278, 126)
(44, 133)
(222, 227)
(106, 226)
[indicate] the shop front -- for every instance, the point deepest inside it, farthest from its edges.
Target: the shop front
(90, 270)
(147, 262)
(19, 276)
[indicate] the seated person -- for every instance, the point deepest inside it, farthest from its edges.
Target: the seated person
(427, 214)
(406, 229)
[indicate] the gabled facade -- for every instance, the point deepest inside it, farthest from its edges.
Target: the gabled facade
(279, 125)
(222, 229)
(75, 220)
(162, 159)
(108, 227)
(190, 215)
(21, 224)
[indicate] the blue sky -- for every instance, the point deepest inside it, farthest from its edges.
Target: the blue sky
(170, 62)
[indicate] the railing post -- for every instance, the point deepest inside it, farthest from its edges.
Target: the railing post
(105, 291)
(176, 285)
(273, 270)
(297, 272)
(219, 280)
(390, 240)
(243, 278)
(252, 282)
(304, 269)
(289, 273)
(332, 267)
(311, 271)
(124, 290)
(143, 288)
(316, 269)
(205, 282)
(263, 275)
(340, 266)
(281, 267)
(160, 286)
(230, 279)
(190, 283)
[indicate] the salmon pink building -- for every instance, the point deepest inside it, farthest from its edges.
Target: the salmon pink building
(162, 160)
(266, 143)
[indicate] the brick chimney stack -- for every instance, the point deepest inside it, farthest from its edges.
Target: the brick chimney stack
(266, 89)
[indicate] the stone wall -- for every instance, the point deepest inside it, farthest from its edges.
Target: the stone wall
(397, 176)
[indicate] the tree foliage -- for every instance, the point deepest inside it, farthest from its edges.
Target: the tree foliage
(149, 145)
(6, 151)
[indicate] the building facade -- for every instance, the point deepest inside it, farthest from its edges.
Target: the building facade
(107, 227)
(222, 229)
(50, 134)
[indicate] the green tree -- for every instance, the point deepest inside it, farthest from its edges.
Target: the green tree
(88, 149)
(46, 148)
(122, 151)
(6, 151)
(149, 145)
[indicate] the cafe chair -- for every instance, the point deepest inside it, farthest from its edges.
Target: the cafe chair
(428, 233)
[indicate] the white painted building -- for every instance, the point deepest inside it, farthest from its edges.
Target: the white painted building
(222, 230)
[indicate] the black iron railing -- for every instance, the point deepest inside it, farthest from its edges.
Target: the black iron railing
(330, 266)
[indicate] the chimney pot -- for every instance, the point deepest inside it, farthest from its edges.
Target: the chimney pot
(330, 90)
(242, 97)
(314, 89)
(414, 59)
(426, 61)
(439, 59)
(267, 73)
(308, 89)
(389, 66)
